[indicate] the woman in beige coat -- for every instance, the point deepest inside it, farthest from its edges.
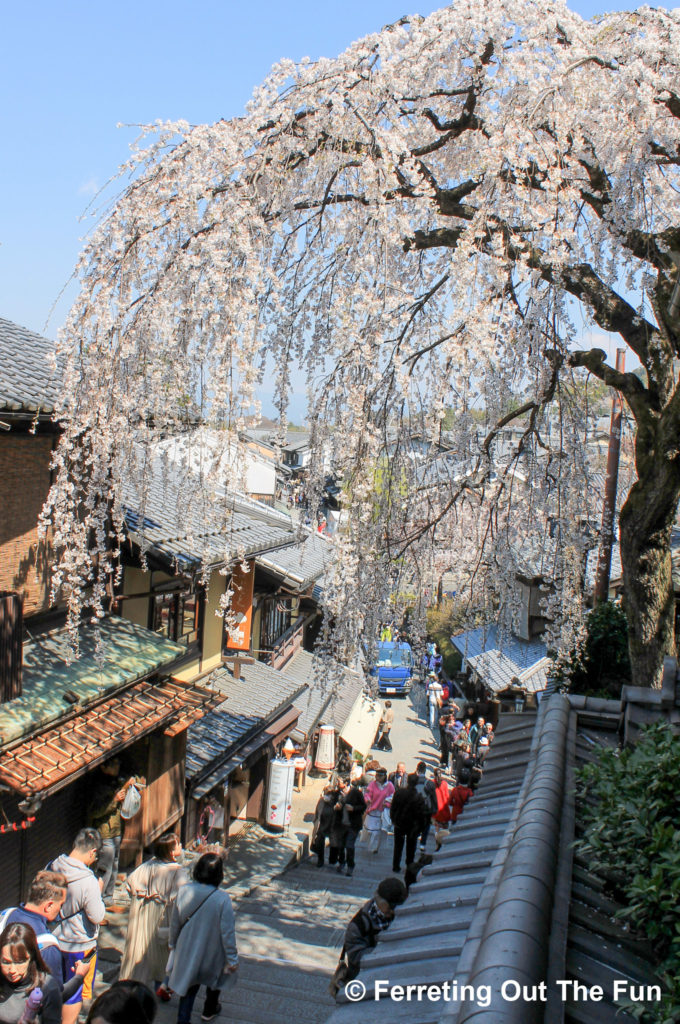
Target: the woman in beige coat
(153, 887)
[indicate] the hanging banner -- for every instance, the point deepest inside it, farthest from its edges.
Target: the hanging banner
(238, 637)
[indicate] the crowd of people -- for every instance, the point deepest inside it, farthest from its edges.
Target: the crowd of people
(377, 805)
(180, 936)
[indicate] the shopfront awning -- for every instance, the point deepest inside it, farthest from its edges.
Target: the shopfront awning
(55, 757)
(360, 728)
(249, 752)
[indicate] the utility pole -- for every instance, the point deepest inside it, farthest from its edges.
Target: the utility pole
(604, 560)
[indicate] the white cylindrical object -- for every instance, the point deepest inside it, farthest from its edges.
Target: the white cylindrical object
(280, 792)
(325, 750)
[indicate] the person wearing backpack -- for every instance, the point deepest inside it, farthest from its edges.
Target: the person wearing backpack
(362, 931)
(428, 792)
(45, 899)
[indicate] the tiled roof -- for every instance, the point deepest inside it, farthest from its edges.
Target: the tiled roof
(28, 382)
(425, 943)
(184, 525)
(313, 702)
(507, 900)
(259, 696)
(345, 694)
(499, 658)
(301, 564)
(122, 653)
(498, 672)
(295, 440)
(53, 759)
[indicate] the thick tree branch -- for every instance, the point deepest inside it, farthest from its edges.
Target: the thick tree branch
(610, 310)
(630, 385)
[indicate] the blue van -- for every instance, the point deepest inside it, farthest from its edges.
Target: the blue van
(393, 667)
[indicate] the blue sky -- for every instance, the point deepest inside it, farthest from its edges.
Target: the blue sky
(71, 72)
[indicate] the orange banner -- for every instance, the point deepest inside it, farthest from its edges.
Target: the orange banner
(238, 638)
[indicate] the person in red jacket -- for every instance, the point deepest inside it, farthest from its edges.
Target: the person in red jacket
(458, 797)
(443, 813)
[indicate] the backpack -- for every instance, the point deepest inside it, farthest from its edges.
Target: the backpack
(429, 798)
(44, 939)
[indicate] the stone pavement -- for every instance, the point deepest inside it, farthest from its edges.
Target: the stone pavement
(291, 915)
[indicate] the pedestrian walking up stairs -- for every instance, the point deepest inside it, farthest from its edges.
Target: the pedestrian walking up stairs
(424, 944)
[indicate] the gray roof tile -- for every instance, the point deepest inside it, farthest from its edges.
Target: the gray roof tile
(183, 525)
(28, 382)
(429, 933)
(313, 702)
(499, 658)
(326, 701)
(259, 696)
(301, 564)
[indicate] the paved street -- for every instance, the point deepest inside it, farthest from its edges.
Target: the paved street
(290, 929)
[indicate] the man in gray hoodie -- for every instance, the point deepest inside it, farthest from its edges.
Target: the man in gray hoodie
(83, 911)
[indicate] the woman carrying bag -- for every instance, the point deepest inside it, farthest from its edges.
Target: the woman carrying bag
(202, 940)
(323, 820)
(153, 887)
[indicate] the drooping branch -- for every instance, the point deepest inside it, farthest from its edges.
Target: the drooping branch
(610, 310)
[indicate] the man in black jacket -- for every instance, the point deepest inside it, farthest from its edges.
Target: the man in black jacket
(399, 777)
(347, 822)
(407, 813)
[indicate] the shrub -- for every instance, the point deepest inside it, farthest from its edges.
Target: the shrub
(632, 839)
(442, 623)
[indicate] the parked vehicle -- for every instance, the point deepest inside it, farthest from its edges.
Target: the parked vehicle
(393, 667)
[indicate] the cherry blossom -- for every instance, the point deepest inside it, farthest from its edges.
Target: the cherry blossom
(427, 224)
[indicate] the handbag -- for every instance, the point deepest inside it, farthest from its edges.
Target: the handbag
(340, 976)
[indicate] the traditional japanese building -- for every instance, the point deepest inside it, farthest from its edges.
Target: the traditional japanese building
(61, 717)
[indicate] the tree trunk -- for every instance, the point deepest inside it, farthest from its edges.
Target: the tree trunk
(645, 523)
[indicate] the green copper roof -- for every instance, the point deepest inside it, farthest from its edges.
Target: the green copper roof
(122, 653)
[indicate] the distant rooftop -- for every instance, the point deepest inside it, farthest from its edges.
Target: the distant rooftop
(28, 381)
(184, 524)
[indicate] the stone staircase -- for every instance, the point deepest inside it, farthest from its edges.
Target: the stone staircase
(289, 935)
(290, 921)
